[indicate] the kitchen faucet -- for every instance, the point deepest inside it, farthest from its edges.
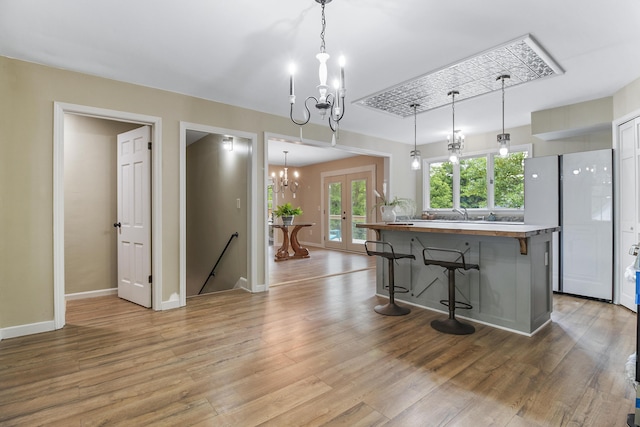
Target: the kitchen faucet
(464, 213)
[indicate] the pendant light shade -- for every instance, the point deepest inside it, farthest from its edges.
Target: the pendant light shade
(415, 153)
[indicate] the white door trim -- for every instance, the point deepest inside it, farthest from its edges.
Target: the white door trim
(252, 218)
(617, 279)
(59, 110)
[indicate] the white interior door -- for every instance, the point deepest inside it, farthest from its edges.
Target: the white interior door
(133, 224)
(629, 158)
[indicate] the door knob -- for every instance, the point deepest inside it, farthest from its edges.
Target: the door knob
(117, 225)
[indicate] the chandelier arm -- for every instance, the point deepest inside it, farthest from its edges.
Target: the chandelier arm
(302, 123)
(331, 124)
(334, 123)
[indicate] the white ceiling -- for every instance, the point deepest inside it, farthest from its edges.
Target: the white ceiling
(237, 52)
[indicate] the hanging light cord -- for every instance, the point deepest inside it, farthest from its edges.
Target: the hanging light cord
(415, 129)
(503, 77)
(453, 122)
(453, 94)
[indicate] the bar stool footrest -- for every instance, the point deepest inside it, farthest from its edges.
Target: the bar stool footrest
(398, 289)
(458, 304)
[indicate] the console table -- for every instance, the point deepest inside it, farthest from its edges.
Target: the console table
(298, 251)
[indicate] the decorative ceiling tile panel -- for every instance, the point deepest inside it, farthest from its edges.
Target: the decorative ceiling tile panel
(523, 59)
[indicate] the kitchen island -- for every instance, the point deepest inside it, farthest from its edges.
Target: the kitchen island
(512, 289)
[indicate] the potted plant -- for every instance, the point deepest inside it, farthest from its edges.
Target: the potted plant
(287, 212)
(387, 207)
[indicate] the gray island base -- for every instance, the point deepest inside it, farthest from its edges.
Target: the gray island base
(512, 290)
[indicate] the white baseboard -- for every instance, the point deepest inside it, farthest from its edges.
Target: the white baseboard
(29, 329)
(91, 294)
(241, 284)
(171, 303)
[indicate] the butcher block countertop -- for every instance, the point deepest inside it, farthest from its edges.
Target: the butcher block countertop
(518, 231)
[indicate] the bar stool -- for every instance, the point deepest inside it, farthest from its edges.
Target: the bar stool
(391, 308)
(451, 325)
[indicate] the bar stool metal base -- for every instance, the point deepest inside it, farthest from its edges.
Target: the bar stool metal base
(391, 309)
(452, 326)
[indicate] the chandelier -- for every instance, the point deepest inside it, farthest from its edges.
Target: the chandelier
(415, 153)
(331, 104)
(455, 141)
(284, 179)
(503, 138)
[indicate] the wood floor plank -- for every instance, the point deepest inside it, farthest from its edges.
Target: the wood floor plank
(313, 352)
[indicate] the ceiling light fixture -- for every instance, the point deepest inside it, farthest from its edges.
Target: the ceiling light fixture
(503, 138)
(227, 143)
(455, 141)
(415, 154)
(332, 103)
(284, 179)
(524, 59)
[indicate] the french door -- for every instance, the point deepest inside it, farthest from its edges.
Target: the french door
(347, 203)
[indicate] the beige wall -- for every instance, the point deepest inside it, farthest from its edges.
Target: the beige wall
(90, 178)
(627, 100)
(216, 179)
(26, 170)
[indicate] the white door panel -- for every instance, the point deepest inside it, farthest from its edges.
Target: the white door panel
(628, 164)
(134, 216)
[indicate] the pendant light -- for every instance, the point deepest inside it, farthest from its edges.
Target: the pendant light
(455, 141)
(415, 153)
(503, 138)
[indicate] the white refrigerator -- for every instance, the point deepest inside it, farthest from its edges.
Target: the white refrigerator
(575, 191)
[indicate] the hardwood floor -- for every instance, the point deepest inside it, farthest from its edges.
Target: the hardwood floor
(322, 263)
(314, 353)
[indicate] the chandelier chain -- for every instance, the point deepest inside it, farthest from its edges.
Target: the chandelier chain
(324, 25)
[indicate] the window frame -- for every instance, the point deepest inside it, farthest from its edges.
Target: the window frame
(490, 156)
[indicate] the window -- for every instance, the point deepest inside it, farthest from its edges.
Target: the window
(483, 181)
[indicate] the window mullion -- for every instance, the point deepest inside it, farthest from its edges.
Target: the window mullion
(490, 182)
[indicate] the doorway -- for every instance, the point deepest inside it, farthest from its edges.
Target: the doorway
(310, 195)
(91, 208)
(217, 193)
(60, 110)
(244, 210)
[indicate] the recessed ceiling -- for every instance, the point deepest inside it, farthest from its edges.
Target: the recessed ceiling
(523, 60)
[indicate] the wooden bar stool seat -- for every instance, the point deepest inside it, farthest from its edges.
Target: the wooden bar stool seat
(391, 308)
(455, 262)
